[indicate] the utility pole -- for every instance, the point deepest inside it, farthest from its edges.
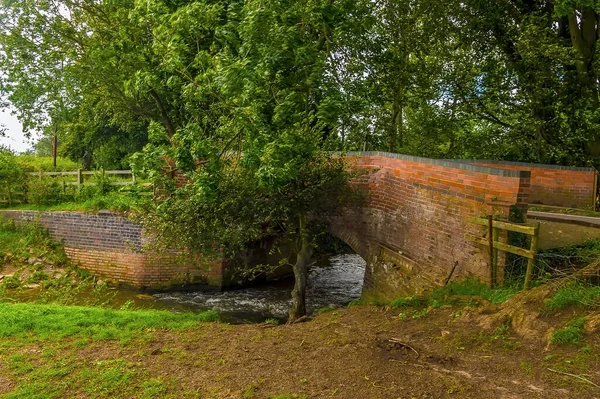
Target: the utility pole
(54, 145)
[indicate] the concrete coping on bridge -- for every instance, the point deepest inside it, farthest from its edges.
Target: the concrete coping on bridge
(529, 165)
(448, 163)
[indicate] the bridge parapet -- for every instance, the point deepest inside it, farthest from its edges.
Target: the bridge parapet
(411, 230)
(555, 185)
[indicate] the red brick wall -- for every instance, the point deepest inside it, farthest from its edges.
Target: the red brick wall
(555, 185)
(416, 212)
(112, 247)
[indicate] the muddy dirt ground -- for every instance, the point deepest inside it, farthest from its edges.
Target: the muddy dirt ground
(364, 352)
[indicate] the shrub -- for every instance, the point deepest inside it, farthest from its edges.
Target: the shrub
(12, 176)
(48, 191)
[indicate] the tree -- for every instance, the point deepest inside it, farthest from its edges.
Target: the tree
(263, 167)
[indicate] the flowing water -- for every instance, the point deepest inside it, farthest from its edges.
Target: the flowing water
(335, 284)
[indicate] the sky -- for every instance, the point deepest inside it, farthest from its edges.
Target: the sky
(14, 133)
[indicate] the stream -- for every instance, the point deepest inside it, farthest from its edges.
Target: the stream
(334, 284)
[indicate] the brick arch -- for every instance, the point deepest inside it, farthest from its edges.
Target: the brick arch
(411, 229)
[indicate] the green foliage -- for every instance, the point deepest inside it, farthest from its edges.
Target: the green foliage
(18, 244)
(48, 191)
(32, 163)
(453, 79)
(12, 177)
(572, 334)
(575, 293)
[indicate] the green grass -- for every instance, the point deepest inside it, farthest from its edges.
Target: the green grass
(575, 294)
(468, 287)
(46, 322)
(408, 302)
(58, 371)
(112, 202)
(572, 334)
(473, 287)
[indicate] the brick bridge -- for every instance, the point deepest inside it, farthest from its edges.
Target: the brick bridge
(410, 231)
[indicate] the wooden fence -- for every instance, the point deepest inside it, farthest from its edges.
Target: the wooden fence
(494, 245)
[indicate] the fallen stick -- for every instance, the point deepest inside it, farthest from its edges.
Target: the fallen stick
(575, 376)
(396, 341)
(451, 273)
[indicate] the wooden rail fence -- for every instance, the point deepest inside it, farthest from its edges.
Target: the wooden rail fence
(494, 245)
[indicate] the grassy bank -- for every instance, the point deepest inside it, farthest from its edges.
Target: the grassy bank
(40, 347)
(47, 322)
(52, 351)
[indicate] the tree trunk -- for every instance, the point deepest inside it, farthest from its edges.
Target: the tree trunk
(298, 308)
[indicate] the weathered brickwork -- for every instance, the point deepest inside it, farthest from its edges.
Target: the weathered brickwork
(555, 185)
(112, 247)
(411, 231)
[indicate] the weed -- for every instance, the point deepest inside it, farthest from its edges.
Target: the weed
(586, 350)
(326, 309)
(420, 314)
(471, 287)
(527, 367)
(501, 332)
(249, 391)
(441, 296)
(572, 334)
(575, 294)
(408, 302)
(19, 364)
(154, 388)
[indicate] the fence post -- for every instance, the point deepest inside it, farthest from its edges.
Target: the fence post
(40, 174)
(495, 237)
(491, 242)
(530, 262)
(79, 177)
